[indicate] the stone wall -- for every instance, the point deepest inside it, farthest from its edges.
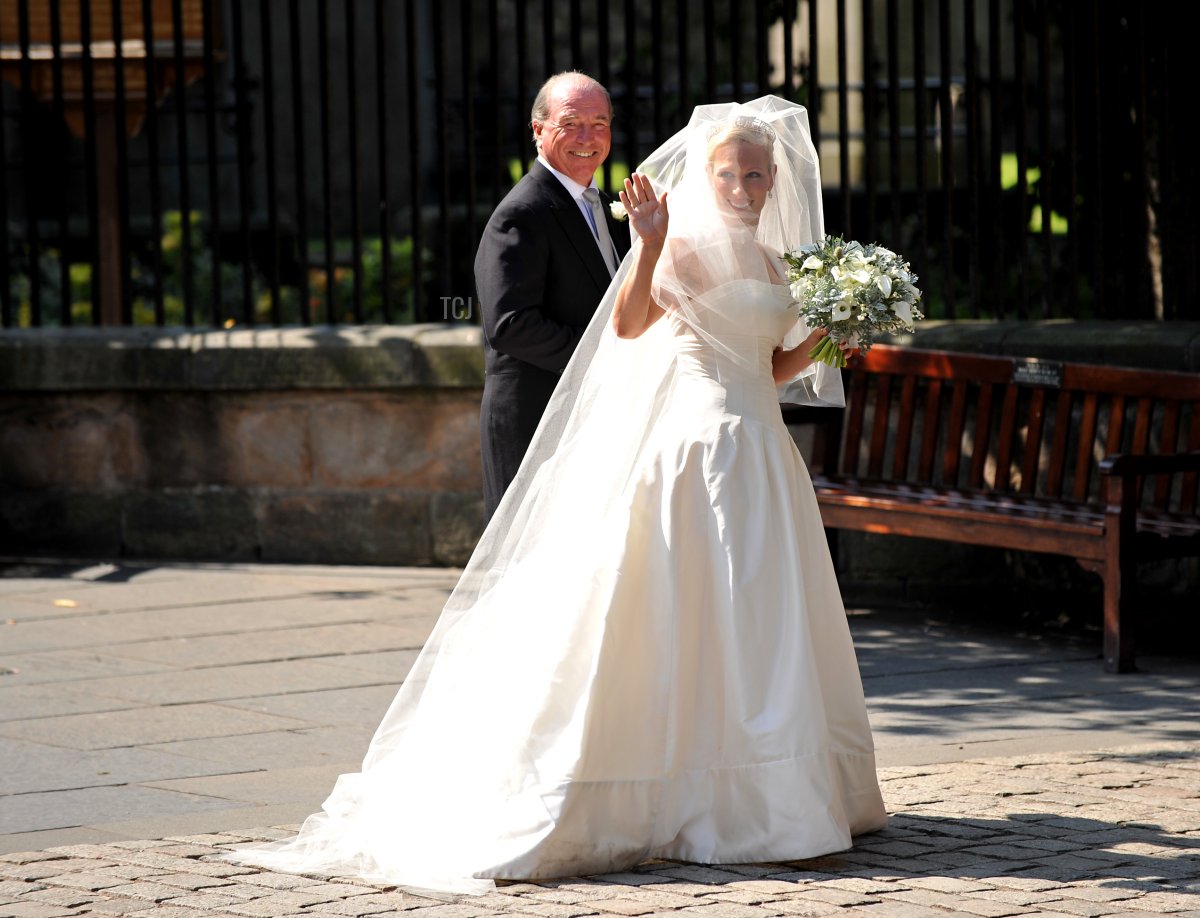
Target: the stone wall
(361, 445)
(334, 446)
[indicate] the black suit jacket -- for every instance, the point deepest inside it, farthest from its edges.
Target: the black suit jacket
(539, 276)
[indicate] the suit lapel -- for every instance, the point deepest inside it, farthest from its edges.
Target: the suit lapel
(574, 224)
(617, 229)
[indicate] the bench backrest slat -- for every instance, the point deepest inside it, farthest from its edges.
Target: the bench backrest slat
(929, 436)
(1058, 447)
(1034, 428)
(983, 426)
(1033, 440)
(904, 422)
(1116, 424)
(879, 429)
(1084, 455)
(1191, 481)
(952, 457)
(856, 406)
(1168, 443)
(1004, 445)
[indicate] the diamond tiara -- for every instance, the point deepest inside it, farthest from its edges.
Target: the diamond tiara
(745, 122)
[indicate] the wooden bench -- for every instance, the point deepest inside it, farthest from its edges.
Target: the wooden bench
(1096, 463)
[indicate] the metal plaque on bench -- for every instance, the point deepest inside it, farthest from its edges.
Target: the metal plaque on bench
(1033, 372)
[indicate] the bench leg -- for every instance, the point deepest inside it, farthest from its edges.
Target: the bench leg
(1119, 580)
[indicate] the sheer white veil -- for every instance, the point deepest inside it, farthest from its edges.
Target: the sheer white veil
(545, 553)
(588, 444)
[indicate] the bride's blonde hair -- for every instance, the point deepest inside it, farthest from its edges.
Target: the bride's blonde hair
(742, 130)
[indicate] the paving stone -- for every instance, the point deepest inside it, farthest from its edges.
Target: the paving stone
(457, 910)
(732, 894)
(894, 910)
(120, 906)
(1018, 897)
(726, 910)
(695, 873)
(524, 906)
(243, 892)
(185, 850)
(153, 892)
(207, 901)
(766, 887)
(330, 891)
(88, 880)
(140, 844)
(1100, 893)
(1030, 884)
(277, 880)
(14, 888)
(281, 903)
(865, 886)
(946, 884)
(27, 857)
(203, 842)
(191, 881)
(646, 879)
(34, 870)
(989, 908)
(1163, 902)
(805, 908)
(67, 898)
(62, 808)
(36, 910)
(1073, 906)
(566, 894)
(627, 906)
(144, 726)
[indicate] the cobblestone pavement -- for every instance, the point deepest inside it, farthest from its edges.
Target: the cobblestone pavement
(186, 704)
(1113, 832)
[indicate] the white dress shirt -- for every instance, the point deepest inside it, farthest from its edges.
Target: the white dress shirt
(576, 192)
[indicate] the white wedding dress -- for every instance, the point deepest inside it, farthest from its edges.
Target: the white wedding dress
(665, 675)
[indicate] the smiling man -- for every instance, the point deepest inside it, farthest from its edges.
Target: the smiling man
(544, 261)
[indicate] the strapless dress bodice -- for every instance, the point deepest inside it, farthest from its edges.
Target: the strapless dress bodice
(724, 346)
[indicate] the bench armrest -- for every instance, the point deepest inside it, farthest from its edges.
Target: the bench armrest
(1126, 465)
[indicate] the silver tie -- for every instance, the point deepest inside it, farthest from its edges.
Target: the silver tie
(592, 196)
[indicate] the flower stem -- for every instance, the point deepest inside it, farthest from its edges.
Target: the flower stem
(827, 351)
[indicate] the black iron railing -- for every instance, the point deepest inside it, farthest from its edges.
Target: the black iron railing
(217, 162)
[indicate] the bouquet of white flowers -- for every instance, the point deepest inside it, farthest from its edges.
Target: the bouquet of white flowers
(856, 291)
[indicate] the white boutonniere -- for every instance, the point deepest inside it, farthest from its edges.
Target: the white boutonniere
(617, 209)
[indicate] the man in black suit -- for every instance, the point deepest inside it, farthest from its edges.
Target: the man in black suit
(544, 262)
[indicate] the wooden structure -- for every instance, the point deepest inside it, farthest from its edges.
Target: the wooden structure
(101, 72)
(1096, 463)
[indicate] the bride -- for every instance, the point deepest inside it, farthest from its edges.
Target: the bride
(647, 655)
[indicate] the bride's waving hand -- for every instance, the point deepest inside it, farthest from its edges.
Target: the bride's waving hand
(635, 310)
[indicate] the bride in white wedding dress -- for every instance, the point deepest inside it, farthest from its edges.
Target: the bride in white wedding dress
(647, 655)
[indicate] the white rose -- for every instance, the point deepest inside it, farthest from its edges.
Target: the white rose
(812, 263)
(618, 211)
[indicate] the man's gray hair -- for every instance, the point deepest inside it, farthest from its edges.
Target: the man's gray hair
(541, 103)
